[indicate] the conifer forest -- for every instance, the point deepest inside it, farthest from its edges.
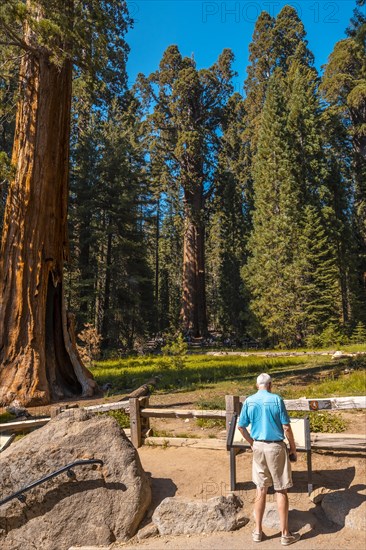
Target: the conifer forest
(173, 204)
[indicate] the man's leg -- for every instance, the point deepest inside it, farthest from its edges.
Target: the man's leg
(259, 506)
(282, 505)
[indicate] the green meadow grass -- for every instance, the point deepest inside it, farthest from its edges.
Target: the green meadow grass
(350, 384)
(349, 348)
(353, 348)
(236, 375)
(205, 371)
(199, 370)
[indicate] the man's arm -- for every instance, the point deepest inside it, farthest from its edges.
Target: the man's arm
(290, 437)
(244, 432)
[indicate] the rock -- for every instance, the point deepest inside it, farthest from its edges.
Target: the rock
(177, 515)
(317, 495)
(102, 505)
(17, 410)
(346, 508)
(298, 520)
(341, 355)
(148, 531)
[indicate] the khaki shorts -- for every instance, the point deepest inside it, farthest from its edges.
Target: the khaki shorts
(271, 465)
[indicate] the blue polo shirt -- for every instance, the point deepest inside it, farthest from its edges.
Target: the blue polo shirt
(266, 413)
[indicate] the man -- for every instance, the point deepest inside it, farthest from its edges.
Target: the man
(270, 424)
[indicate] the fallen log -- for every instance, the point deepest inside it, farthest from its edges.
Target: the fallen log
(144, 390)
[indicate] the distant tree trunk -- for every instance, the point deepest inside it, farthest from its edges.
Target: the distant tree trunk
(360, 208)
(157, 238)
(194, 294)
(85, 275)
(38, 359)
(106, 337)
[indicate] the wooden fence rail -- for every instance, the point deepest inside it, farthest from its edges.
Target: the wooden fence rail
(181, 413)
(140, 415)
(139, 412)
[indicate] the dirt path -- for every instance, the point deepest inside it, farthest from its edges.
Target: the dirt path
(242, 539)
(202, 474)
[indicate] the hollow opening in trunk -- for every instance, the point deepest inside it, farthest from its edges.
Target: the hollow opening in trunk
(60, 372)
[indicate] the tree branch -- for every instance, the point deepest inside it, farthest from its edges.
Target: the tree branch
(15, 40)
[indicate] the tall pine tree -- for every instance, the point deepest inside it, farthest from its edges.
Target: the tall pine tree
(270, 272)
(344, 88)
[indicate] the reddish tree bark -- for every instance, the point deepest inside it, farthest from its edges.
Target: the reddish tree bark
(194, 294)
(38, 357)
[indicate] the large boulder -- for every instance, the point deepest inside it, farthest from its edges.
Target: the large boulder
(101, 505)
(178, 515)
(317, 495)
(346, 508)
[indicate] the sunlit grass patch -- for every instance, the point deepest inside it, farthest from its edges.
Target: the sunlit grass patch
(335, 385)
(199, 370)
(210, 423)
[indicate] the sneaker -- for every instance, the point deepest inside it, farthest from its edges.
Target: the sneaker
(290, 539)
(257, 537)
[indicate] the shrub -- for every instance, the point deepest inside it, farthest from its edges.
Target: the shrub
(331, 336)
(122, 418)
(359, 334)
(175, 351)
(314, 341)
(90, 348)
(6, 417)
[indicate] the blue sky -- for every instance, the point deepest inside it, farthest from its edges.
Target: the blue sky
(205, 28)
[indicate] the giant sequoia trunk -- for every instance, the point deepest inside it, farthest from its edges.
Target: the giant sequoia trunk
(38, 359)
(194, 295)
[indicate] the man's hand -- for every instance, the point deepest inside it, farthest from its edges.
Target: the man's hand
(290, 437)
(244, 432)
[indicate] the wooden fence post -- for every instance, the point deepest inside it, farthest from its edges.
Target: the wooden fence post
(145, 421)
(135, 422)
(232, 405)
(55, 411)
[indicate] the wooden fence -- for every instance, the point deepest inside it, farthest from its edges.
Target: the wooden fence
(140, 414)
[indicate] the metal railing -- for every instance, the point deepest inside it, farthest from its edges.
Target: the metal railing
(70, 473)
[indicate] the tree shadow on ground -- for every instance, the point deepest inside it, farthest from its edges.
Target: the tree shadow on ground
(331, 479)
(346, 501)
(337, 481)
